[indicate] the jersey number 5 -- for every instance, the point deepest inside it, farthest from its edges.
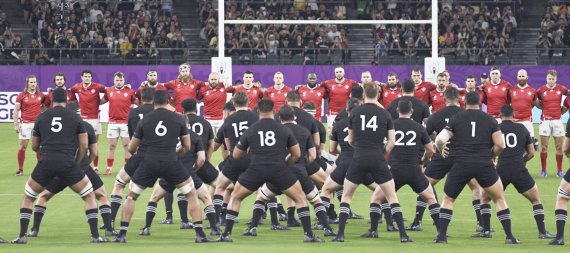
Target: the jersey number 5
(56, 124)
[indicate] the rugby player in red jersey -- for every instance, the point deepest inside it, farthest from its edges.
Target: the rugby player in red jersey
(184, 86)
(391, 90)
(313, 93)
(437, 96)
(120, 100)
(254, 92)
(338, 90)
(497, 93)
(423, 88)
(59, 81)
(89, 100)
(29, 102)
(550, 99)
(470, 85)
(214, 95)
(277, 92)
(523, 99)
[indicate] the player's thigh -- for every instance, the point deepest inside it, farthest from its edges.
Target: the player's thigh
(208, 173)
(25, 131)
(253, 178)
(113, 132)
(93, 177)
(96, 124)
(174, 172)
(124, 133)
(147, 173)
(456, 180)
(529, 126)
(545, 129)
(557, 128)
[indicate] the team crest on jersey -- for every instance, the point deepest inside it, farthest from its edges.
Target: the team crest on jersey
(424, 89)
(111, 94)
(504, 89)
(207, 93)
(272, 95)
(125, 94)
(39, 98)
(489, 90)
(434, 98)
(530, 93)
(304, 93)
(254, 91)
(558, 93)
(514, 93)
(346, 87)
(192, 86)
(319, 94)
(278, 92)
(544, 93)
(93, 91)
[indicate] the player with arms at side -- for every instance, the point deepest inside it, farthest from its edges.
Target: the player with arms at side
(523, 99)
(59, 135)
(470, 85)
(121, 99)
(87, 92)
(497, 93)
(338, 90)
(214, 95)
(29, 102)
(550, 98)
(391, 91)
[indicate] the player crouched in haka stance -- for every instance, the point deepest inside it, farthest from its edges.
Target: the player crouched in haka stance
(60, 137)
(308, 155)
(159, 131)
(57, 185)
(563, 195)
(368, 126)
(474, 133)
(519, 149)
(272, 147)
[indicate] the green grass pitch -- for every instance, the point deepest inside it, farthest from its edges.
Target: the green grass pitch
(65, 229)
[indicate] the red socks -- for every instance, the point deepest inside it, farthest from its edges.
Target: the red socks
(21, 158)
(543, 156)
(96, 161)
(559, 162)
(110, 162)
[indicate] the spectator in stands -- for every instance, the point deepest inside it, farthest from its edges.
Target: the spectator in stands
(474, 51)
(4, 23)
(461, 50)
(410, 49)
(448, 48)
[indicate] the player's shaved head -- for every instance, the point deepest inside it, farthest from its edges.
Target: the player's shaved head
(146, 95)
(408, 85)
(507, 111)
(472, 98)
(189, 105)
(265, 105)
(451, 94)
(160, 97)
(59, 95)
(405, 107)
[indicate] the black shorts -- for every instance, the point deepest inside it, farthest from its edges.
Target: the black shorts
(567, 175)
(222, 164)
(56, 185)
(133, 163)
(234, 168)
(278, 175)
(301, 174)
(151, 169)
(208, 173)
(170, 187)
(516, 174)
(438, 167)
(322, 163)
(409, 175)
(369, 163)
(313, 168)
(339, 173)
(464, 170)
(67, 171)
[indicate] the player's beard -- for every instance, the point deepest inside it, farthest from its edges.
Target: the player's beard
(185, 78)
(151, 84)
(391, 86)
(522, 83)
(312, 85)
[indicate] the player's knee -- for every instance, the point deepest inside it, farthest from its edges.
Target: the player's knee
(314, 196)
(265, 193)
(28, 191)
(187, 188)
(120, 182)
(563, 194)
(86, 190)
(137, 190)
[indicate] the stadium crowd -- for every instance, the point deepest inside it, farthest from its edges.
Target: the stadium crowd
(554, 36)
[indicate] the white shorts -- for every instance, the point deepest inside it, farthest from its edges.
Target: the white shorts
(529, 126)
(551, 128)
(216, 124)
(116, 130)
(26, 131)
(95, 124)
(330, 121)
